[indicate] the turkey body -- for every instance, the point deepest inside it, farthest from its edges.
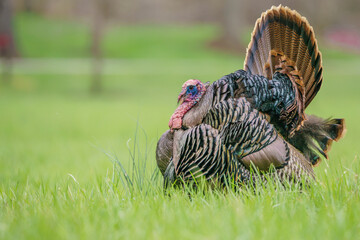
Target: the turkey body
(232, 139)
(254, 118)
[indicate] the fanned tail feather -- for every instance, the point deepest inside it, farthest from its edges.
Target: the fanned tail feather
(283, 34)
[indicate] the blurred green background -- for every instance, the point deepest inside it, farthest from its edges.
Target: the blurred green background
(52, 124)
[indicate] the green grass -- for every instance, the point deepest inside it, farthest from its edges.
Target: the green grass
(58, 182)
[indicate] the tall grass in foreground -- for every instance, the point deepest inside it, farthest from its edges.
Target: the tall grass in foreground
(129, 202)
(139, 176)
(144, 180)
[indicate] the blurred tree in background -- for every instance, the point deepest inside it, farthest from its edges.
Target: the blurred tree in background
(155, 28)
(7, 40)
(99, 14)
(233, 24)
(233, 16)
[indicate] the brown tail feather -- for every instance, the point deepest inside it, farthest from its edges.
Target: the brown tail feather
(284, 31)
(318, 134)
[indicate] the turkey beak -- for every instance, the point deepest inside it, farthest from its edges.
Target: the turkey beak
(181, 96)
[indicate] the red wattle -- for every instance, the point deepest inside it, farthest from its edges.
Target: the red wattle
(176, 119)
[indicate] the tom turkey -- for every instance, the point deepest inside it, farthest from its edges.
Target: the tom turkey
(254, 117)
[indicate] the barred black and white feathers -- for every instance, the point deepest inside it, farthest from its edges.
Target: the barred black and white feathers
(234, 138)
(276, 97)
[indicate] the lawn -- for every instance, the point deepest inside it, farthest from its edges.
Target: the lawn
(58, 143)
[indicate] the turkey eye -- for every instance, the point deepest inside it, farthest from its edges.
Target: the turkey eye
(191, 87)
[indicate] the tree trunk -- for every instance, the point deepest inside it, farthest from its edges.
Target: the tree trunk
(96, 50)
(7, 42)
(233, 23)
(233, 20)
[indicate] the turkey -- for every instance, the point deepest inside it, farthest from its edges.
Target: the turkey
(232, 138)
(282, 74)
